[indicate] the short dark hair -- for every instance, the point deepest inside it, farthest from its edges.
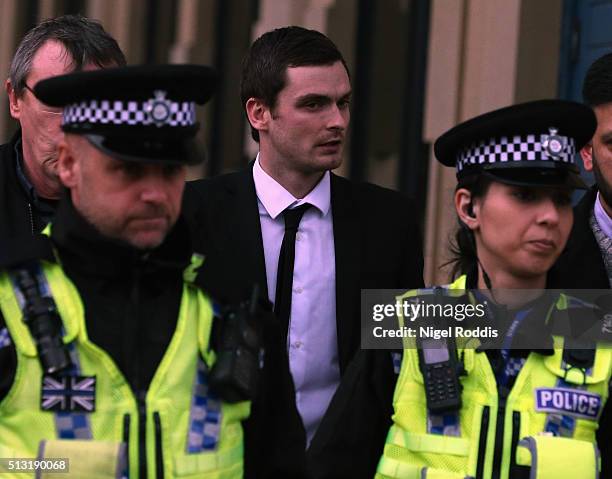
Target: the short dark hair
(597, 85)
(264, 68)
(85, 40)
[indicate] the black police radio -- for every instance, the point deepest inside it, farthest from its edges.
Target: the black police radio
(237, 343)
(41, 316)
(440, 369)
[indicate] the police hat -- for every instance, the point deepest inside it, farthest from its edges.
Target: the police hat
(531, 144)
(135, 113)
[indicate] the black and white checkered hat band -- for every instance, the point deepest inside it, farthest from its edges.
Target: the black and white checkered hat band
(128, 113)
(518, 148)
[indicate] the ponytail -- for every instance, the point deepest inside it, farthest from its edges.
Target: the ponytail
(464, 258)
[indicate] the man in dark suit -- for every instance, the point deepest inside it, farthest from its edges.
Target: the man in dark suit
(325, 238)
(587, 260)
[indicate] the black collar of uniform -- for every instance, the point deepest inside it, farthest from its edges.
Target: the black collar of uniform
(90, 251)
(16, 252)
(536, 318)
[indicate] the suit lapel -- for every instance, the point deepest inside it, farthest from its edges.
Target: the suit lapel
(245, 229)
(347, 251)
(582, 249)
(231, 239)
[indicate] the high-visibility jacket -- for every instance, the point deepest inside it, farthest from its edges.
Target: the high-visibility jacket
(547, 422)
(187, 432)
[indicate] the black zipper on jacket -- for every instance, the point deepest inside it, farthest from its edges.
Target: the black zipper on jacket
(126, 440)
(31, 218)
(159, 457)
(499, 433)
(142, 435)
(482, 442)
(515, 471)
(139, 393)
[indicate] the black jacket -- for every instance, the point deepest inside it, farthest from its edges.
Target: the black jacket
(18, 216)
(581, 265)
(377, 245)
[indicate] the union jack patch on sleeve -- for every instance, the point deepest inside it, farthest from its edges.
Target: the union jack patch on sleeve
(68, 393)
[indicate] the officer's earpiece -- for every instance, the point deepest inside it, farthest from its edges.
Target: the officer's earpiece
(470, 210)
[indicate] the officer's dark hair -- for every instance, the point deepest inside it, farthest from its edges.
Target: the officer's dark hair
(85, 40)
(463, 247)
(264, 68)
(597, 85)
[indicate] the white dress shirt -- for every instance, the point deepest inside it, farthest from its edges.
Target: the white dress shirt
(312, 338)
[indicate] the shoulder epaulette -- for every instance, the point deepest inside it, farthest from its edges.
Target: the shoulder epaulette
(17, 251)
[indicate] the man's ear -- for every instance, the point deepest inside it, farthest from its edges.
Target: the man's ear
(258, 114)
(67, 163)
(467, 210)
(14, 106)
(586, 153)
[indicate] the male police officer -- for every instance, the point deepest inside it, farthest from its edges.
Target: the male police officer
(124, 374)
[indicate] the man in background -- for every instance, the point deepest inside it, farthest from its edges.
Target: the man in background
(310, 239)
(587, 260)
(29, 185)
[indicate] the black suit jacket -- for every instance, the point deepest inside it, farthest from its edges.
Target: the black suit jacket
(377, 245)
(580, 266)
(18, 217)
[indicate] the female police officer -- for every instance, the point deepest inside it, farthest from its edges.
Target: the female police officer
(502, 411)
(519, 412)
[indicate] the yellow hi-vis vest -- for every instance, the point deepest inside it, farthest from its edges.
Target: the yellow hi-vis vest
(181, 416)
(412, 452)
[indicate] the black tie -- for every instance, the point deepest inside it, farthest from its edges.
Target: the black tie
(286, 259)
